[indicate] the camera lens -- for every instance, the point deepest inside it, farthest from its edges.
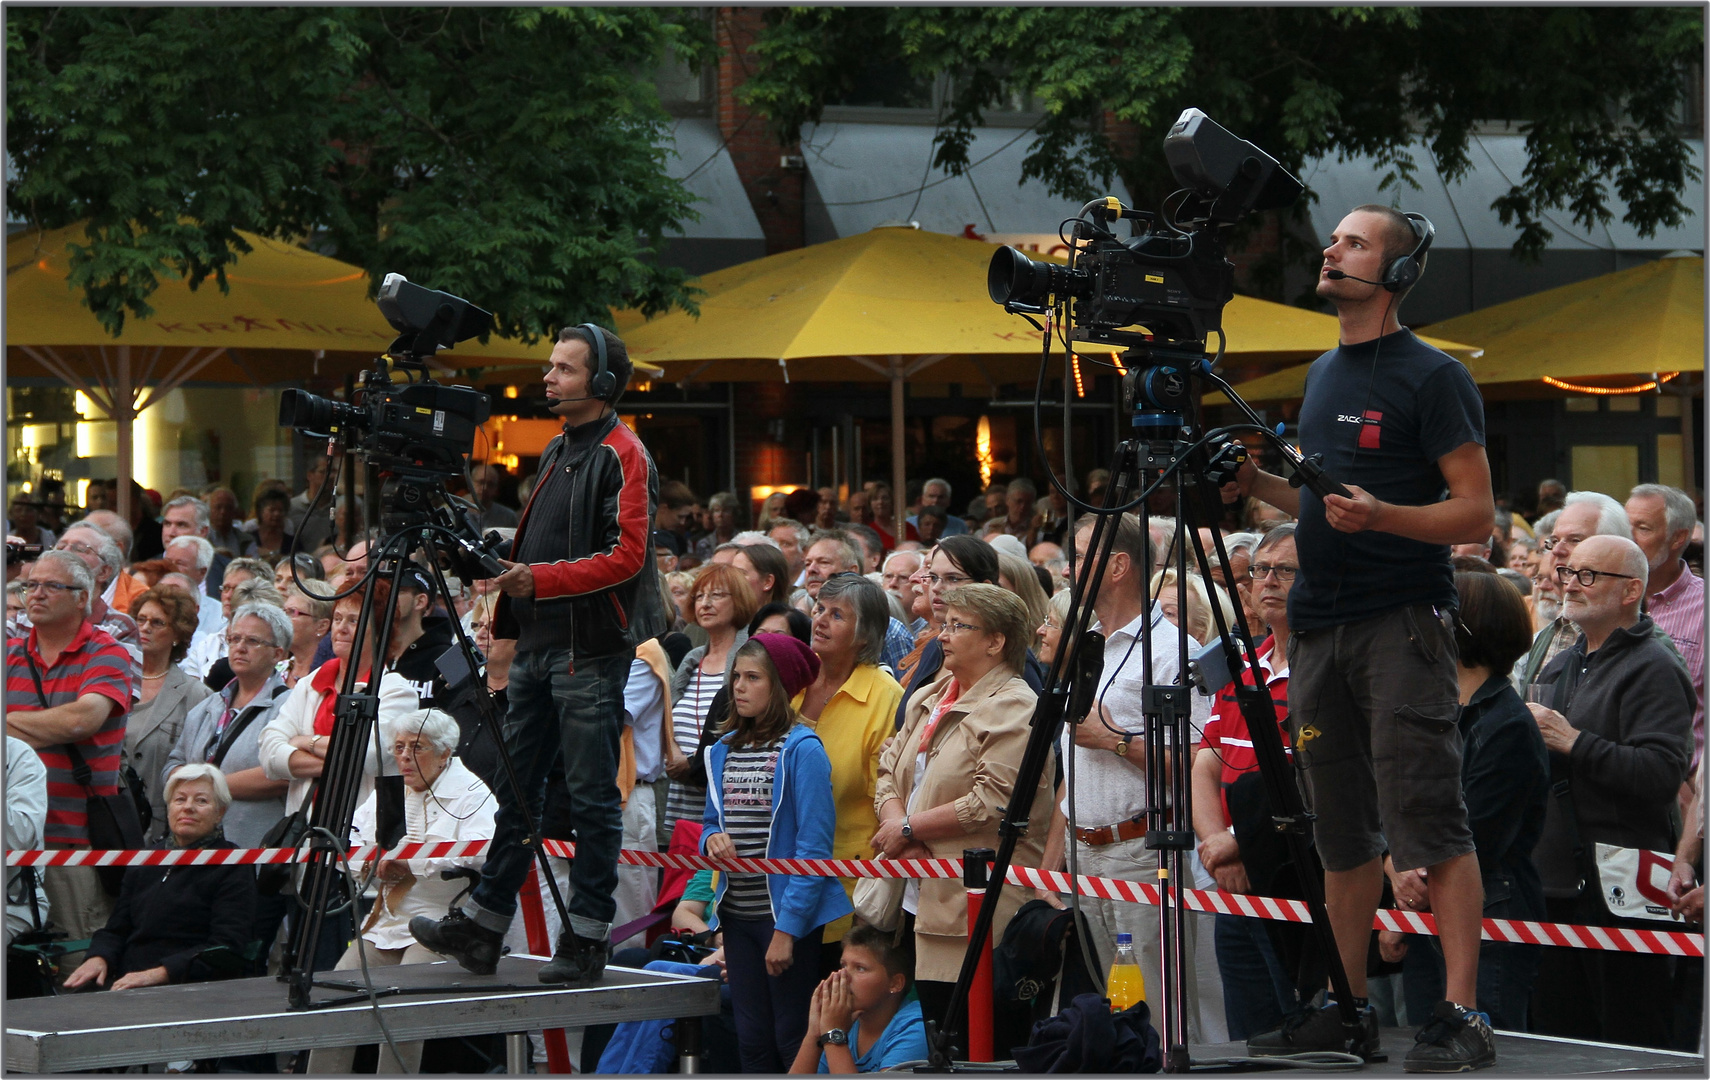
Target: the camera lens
(310, 412)
(1013, 278)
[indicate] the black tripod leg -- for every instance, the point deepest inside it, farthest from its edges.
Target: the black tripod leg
(491, 721)
(1047, 725)
(1277, 772)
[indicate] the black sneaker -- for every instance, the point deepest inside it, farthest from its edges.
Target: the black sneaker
(462, 939)
(576, 960)
(1318, 1030)
(1456, 1040)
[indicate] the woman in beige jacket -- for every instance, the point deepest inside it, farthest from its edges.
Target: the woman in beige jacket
(945, 779)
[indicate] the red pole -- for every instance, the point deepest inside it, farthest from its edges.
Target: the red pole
(539, 943)
(974, 869)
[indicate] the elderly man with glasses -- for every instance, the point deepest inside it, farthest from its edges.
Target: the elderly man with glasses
(1615, 710)
(69, 686)
(101, 553)
(1586, 514)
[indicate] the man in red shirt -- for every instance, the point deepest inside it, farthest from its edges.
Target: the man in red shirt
(68, 688)
(1232, 816)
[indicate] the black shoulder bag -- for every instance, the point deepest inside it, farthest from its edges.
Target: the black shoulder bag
(287, 832)
(113, 823)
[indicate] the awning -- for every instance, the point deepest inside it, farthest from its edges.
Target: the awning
(1462, 212)
(864, 174)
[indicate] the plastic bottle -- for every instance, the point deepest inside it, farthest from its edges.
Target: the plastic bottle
(1125, 985)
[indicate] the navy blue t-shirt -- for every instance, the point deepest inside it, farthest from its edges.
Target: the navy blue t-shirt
(1421, 404)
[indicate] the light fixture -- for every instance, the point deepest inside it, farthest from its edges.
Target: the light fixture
(1075, 364)
(983, 451)
(1609, 391)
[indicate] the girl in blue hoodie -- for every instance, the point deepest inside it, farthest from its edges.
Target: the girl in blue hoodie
(769, 796)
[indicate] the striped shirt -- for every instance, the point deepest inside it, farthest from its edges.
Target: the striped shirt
(1679, 612)
(92, 664)
(688, 715)
(746, 789)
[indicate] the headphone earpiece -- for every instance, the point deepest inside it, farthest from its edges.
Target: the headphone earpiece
(1403, 273)
(604, 384)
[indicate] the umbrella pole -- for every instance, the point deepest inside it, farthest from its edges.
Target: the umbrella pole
(899, 482)
(124, 414)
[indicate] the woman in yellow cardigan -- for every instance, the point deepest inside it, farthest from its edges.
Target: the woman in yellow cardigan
(851, 705)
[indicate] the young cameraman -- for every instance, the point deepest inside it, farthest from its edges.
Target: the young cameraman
(580, 596)
(1374, 693)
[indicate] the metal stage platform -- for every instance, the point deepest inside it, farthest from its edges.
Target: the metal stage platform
(1516, 1055)
(249, 1016)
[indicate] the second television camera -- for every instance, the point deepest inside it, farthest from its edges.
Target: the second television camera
(417, 428)
(1174, 280)
(418, 433)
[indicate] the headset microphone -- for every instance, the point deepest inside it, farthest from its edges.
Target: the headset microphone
(1337, 275)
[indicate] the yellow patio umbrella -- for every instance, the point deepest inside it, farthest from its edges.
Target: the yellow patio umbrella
(1641, 321)
(896, 304)
(289, 313)
(1645, 321)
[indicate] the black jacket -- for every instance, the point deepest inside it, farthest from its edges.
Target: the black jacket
(166, 915)
(1505, 779)
(1632, 703)
(606, 583)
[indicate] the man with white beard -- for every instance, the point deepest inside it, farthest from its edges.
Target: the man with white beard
(1586, 513)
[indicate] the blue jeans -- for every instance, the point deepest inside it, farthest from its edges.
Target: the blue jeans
(771, 1010)
(581, 716)
(1257, 992)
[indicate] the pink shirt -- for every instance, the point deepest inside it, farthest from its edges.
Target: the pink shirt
(1679, 611)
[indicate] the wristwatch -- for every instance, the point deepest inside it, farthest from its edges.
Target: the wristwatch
(1122, 747)
(907, 830)
(835, 1037)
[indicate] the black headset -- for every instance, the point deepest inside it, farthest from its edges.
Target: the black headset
(1402, 273)
(603, 385)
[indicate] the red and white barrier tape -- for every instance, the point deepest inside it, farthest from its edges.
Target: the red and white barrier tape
(1607, 938)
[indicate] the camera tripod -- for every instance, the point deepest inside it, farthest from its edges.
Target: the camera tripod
(1164, 447)
(424, 519)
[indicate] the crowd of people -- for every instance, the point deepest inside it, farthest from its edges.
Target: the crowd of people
(826, 687)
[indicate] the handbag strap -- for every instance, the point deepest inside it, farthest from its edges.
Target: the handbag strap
(254, 709)
(80, 770)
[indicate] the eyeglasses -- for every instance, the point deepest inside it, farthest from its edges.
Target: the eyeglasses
(1549, 543)
(298, 613)
(75, 546)
(1285, 574)
(715, 596)
(50, 586)
(1587, 578)
(152, 624)
(947, 579)
(240, 641)
(962, 627)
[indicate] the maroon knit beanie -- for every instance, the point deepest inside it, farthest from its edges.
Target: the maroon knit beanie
(798, 665)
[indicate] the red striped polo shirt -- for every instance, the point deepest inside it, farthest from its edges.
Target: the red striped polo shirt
(1226, 732)
(92, 664)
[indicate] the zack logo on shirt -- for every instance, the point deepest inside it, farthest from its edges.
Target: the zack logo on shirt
(1371, 425)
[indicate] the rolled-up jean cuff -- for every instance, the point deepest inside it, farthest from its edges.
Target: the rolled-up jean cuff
(487, 920)
(591, 929)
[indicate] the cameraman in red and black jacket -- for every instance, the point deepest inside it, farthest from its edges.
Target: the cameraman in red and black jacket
(582, 593)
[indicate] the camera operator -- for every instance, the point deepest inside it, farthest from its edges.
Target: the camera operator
(1374, 690)
(580, 596)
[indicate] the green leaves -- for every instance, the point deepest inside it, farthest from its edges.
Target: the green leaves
(508, 155)
(1298, 81)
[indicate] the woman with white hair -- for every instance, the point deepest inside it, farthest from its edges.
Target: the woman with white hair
(443, 801)
(165, 921)
(224, 731)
